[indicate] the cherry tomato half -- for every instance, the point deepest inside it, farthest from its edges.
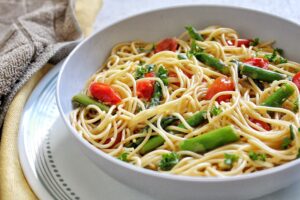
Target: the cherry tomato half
(118, 139)
(221, 84)
(258, 62)
(168, 44)
(104, 93)
(240, 42)
(296, 80)
(145, 88)
(262, 124)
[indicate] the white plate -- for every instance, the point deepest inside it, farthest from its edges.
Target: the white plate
(56, 169)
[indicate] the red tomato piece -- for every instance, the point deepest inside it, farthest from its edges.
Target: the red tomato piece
(104, 93)
(221, 84)
(145, 88)
(150, 74)
(262, 124)
(172, 74)
(296, 80)
(188, 75)
(118, 139)
(240, 42)
(258, 62)
(168, 44)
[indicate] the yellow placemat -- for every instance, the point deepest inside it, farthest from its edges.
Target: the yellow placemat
(13, 184)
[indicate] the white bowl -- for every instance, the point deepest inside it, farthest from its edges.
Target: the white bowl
(152, 26)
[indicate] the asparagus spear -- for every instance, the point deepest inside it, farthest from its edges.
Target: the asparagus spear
(279, 96)
(162, 73)
(166, 121)
(259, 73)
(86, 100)
(195, 119)
(212, 62)
(210, 140)
(193, 33)
(152, 144)
(157, 140)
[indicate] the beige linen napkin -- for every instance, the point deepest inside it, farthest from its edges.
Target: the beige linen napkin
(13, 184)
(32, 33)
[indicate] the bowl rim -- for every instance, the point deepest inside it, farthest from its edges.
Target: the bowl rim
(156, 174)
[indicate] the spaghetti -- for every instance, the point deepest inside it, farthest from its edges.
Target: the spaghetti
(207, 103)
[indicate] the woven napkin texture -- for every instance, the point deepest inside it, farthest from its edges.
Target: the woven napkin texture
(32, 32)
(13, 184)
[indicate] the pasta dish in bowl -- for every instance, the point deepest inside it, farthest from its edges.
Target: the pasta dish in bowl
(207, 103)
(192, 107)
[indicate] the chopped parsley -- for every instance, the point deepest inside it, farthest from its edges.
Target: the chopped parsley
(276, 57)
(279, 51)
(286, 143)
(254, 42)
(162, 73)
(142, 70)
(230, 159)
(123, 157)
(193, 33)
(257, 156)
(157, 94)
(168, 161)
(215, 111)
(181, 56)
(146, 50)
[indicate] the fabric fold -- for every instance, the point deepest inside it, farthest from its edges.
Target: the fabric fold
(13, 184)
(46, 34)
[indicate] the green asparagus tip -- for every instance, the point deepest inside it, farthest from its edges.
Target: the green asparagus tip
(86, 100)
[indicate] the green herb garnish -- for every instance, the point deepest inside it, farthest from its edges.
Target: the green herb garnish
(257, 156)
(146, 50)
(230, 159)
(157, 94)
(123, 157)
(276, 57)
(254, 42)
(168, 161)
(216, 111)
(285, 143)
(142, 70)
(181, 56)
(162, 73)
(279, 51)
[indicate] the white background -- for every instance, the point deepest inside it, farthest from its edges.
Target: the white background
(114, 10)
